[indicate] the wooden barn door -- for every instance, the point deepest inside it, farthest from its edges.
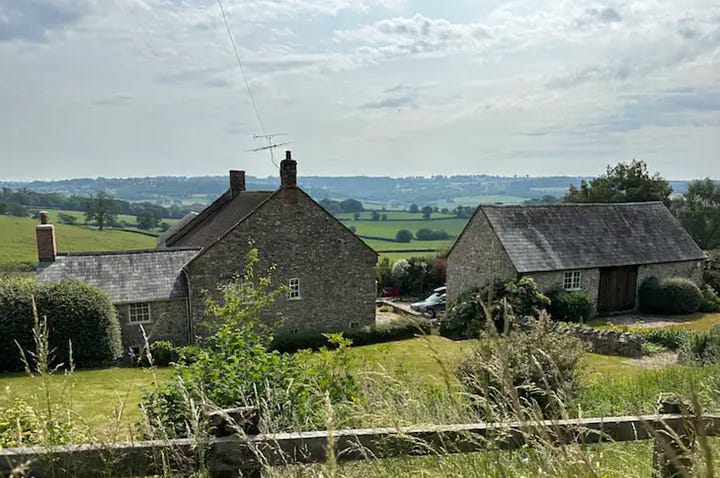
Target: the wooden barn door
(618, 286)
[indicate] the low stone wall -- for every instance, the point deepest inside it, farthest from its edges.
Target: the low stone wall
(607, 342)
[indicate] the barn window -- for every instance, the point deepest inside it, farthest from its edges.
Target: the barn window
(139, 313)
(294, 292)
(571, 280)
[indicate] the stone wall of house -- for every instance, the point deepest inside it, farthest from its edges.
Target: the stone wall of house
(168, 321)
(477, 258)
(589, 279)
(692, 270)
(335, 269)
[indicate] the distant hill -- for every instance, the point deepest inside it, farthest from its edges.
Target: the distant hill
(18, 248)
(443, 191)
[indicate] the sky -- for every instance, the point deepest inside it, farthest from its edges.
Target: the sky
(119, 88)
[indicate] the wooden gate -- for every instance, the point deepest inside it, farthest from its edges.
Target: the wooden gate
(618, 286)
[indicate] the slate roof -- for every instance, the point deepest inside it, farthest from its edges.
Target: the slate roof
(213, 223)
(577, 236)
(127, 276)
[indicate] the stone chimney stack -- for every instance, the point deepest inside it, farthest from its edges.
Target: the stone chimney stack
(45, 234)
(288, 178)
(237, 181)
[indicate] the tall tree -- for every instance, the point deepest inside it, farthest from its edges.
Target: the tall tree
(427, 212)
(148, 218)
(414, 209)
(101, 209)
(622, 183)
(699, 212)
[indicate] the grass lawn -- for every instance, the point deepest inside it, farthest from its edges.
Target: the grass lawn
(18, 247)
(698, 322)
(97, 396)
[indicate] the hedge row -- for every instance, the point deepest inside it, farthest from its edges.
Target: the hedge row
(76, 313)
(370, 334)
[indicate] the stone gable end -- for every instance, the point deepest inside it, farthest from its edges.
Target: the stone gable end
(335, 269)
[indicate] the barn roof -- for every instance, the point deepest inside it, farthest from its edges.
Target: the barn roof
(577, 236)
(127, 276)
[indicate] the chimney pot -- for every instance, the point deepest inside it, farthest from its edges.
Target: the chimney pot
(237, 181)
(43, 217)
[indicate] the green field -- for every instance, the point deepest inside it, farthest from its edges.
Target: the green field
(392, 215)
(80, 216)
(482, 199)
(18, 247)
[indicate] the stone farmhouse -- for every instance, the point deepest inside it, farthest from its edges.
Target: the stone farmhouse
(329, 271)
(605, 249)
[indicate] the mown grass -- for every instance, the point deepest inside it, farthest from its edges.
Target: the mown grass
(103, 399)
(697, 322)
(18, 248)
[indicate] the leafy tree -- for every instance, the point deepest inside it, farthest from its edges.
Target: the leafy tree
(699, 212)
(333, 207)
(444, 210)
(351, 205)
(67, 218)
(101, 209)
(383, 217)
(164, 226)
(375, 216)
(430, 235)
(356, 216)
(622, 183)
(427, 212)
(545, 199)
(414, 209)
(403, 235)
(464, 211)
(148, 219)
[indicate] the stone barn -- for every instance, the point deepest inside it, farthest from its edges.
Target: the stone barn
(605, 249)
(329, 271)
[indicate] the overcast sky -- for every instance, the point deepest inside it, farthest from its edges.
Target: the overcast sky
(363, 87)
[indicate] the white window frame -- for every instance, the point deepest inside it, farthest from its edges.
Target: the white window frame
(572, 280)
(294, 289)
(144, 315)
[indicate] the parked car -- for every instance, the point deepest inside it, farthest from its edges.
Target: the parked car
(432, 304)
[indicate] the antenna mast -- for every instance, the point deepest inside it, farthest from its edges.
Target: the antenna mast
(270, 145)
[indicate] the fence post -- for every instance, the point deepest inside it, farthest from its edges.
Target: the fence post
(229, 422)
(672, 447)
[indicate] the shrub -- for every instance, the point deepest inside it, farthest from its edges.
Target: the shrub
(674, 295)
(671, 339)
(466, 316)
(66, 218)
(403, 235)
(530, 369)
(163, 353)
(418, 275)
(710, 300)
(76, 313)
(711, 275)
(570, 305)
(370, 334)
(702, 348)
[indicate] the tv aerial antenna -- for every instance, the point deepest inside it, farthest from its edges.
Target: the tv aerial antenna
(268, 138)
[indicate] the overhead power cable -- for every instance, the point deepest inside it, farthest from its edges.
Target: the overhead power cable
(242, 69)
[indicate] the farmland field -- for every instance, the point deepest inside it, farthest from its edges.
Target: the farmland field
(18, 247)
(80, 216)
(392, 215)
(389, 228)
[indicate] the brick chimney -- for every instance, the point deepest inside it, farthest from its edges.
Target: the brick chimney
(288, 178)
(237, 181)
(45, 234)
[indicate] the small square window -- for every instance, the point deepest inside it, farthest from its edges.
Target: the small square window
(294, 291)
(572, 280)
(139, 313)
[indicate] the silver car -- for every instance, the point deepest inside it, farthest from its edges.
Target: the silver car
(433, 304)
